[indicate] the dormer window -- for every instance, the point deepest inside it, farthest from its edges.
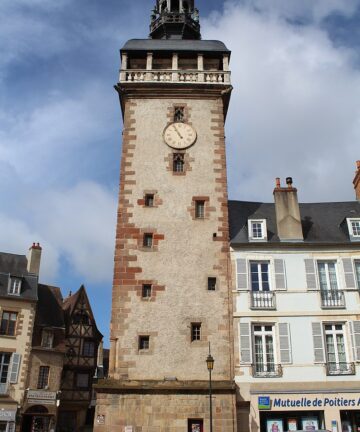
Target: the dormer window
(47, 339)
(354, 228)
(257, 229)
(14, 286)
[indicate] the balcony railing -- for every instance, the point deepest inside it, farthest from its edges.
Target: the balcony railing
(333, 369)
(263, 300)
(175, 76)
(175, 18)
(269, 370)
(332, 299)
(4, 388)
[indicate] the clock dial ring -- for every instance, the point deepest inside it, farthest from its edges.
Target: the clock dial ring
(179, 136)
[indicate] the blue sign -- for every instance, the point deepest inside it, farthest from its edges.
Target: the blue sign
(264, 403)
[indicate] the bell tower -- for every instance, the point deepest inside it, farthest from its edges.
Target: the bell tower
(171, 287)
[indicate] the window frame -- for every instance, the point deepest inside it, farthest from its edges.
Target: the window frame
(212, 283)
(142, 341)
(43, 379)
(4, 364)
(327, 274)
(263, 333)
(262, 223)
(260, 281)
(200, 209)
(146, 291)
(14, 282)
(334, 332)
(6, 333)
(178, 158)
(85, 343)
(353, 235)
(149, 200)
(81, 387)
(357, 272)
(50, 336)
(196, 332)
(148, 240)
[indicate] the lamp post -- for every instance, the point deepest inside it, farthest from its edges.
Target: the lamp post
(210, 366)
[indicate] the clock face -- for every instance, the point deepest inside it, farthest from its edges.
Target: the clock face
(179, 135)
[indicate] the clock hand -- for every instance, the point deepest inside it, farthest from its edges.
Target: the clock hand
(181, 137)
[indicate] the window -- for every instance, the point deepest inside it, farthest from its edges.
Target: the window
(81, 318)
(14, 286)
(195, 332)
(88, 348)
(335, 348)
(149, 200)
(8, 323)
(148, 240)
(82, 380)
(257, 229)
(259, 273)
(354, 227)
(211, 284)
(43, 379)
(327, 276)
(178, 162)
(144, 342)
(179, 115)
(5, 359)
(200, 209)
(264, 349)
(47, 338)
(357, 271)
(146, 291)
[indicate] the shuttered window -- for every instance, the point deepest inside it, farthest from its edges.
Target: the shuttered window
(242, 276)
(245, 343)
(318, 341)
(310, 270)
(15, 367)
(327, 276)
(357, 270)
(355, 339)
(264, 350)
(260, 279)
(285, 343)
(280, 277)
(349, 273)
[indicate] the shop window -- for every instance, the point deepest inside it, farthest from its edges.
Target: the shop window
(336, 353)
(47, 338)
(82, 380)
(88, 348)
(43, 378)
(8, 323)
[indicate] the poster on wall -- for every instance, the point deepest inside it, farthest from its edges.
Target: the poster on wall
(292, 425)
(275, 425)
(310, 423)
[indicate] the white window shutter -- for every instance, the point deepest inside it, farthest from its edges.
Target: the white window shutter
(15, 367)
(242, 275)
(355, 338)
(310, 269)
(349, 273)
(318, 340)
(280, 277)
(285, 343)
(245, 343)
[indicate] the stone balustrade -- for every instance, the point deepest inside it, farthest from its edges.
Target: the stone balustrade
(175, 76)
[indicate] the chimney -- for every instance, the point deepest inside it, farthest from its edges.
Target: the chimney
(357, 180)
(34, 258)
(288, 219)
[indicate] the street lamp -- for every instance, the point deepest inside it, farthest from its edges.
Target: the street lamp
(210, 366)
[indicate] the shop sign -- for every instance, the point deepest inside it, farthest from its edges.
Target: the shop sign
(41, 397)
(8, 416)
(264, 402)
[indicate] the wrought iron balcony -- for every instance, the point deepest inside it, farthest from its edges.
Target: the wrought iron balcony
(332, 299)
(334, 369)
(268, 370)
(4, 388)
(263, 300)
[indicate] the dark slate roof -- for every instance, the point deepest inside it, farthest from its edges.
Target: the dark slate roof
(322, 222)
(49, 312)
(16, 265)
(172, 45)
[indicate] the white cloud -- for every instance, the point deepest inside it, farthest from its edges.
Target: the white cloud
(294, 108)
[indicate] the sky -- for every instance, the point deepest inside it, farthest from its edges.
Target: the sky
(295, 111)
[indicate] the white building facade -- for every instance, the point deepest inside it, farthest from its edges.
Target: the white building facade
(296, 313)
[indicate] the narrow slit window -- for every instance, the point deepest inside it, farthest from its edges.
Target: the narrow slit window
(144, 343)
(178, 163)
(195, 332)
(146, 291)
(148, 240)
(200, 209)
(149, 200)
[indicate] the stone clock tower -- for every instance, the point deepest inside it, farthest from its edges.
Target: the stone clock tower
(171, 289)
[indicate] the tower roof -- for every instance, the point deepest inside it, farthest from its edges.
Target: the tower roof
(175, 19)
